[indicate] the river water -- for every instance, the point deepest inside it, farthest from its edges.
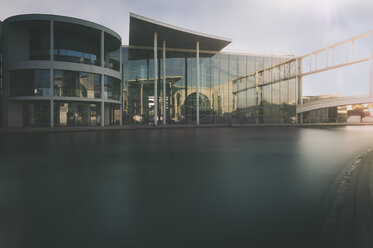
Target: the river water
(187, 187)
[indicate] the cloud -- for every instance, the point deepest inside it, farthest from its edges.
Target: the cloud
(286, 26)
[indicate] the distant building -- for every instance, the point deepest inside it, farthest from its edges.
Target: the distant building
(60, 72)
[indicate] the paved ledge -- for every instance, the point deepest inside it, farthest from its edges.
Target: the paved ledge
(112, 128)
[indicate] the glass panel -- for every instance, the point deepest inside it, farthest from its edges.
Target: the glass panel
(77, 84)
(138, 86)
(251, 106)
(267, 104)
(215, 89)
(114, 114)
(31, 40)
(76, 43)
(112, 88)
(112, 52)
(224, 87)
(275, 106)
(39, 40)
(30, 83)
(71, 114)
(176, 86)
(205, 108)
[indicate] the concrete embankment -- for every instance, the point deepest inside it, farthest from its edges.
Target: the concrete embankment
(348, 210)
(132, 127)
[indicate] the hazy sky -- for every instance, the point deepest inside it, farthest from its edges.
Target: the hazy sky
(271, 26)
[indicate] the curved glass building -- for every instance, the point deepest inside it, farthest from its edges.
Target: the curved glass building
(59, 72)
(65, 72)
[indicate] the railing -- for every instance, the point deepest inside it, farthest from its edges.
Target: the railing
(341, 54)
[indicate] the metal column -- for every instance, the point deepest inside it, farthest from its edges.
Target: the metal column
(164, 83)
(155, 79)
(197, 85)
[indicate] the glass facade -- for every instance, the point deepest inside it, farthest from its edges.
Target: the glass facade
(111, 88)
(77, 84)
(113, 114)
(264, 98)
(39, 40)
(30, 82)
(76, 43)
(73, 114)
(112, 49)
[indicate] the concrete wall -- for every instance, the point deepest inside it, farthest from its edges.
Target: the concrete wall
(15, 112)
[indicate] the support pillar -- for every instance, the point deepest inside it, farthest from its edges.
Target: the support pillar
(155, 79)
(51, 57)
(371, 67)
(102, 114)
(164, 83)
(299, 87)
(121, 86)
(197, 85)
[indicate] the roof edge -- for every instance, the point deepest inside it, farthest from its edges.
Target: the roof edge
(166, 25)
(61, 18)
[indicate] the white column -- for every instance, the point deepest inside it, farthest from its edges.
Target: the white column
(155, 79)
(371, 66)
(121, 85)
(299, 88)
(197, 85)
(102, 114)
(164, 83)
(51, 103)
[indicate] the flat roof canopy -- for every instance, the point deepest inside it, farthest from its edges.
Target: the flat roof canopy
(142, 34)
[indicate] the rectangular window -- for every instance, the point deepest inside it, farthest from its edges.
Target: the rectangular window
(30, 83)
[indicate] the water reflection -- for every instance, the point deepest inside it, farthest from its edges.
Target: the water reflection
(208, 187)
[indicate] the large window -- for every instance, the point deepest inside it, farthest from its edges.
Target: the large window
(112, 88)
(114, 114)
(112, 52)
(77, 84)
(39, 40)
(76, 43)
(72, 114)
(30, 83)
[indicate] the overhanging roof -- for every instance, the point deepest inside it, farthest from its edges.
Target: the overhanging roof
(142, 34)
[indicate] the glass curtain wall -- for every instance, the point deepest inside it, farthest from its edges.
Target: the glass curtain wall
(111, 52)
(30, 83)
(223, 99)
(76, 43)
(77, 84)
(73, 114)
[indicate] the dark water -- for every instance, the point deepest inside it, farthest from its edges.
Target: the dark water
(208, 187)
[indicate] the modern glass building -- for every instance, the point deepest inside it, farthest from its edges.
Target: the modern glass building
(64, 72)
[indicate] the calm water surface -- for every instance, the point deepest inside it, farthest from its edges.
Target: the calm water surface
(207, 187)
